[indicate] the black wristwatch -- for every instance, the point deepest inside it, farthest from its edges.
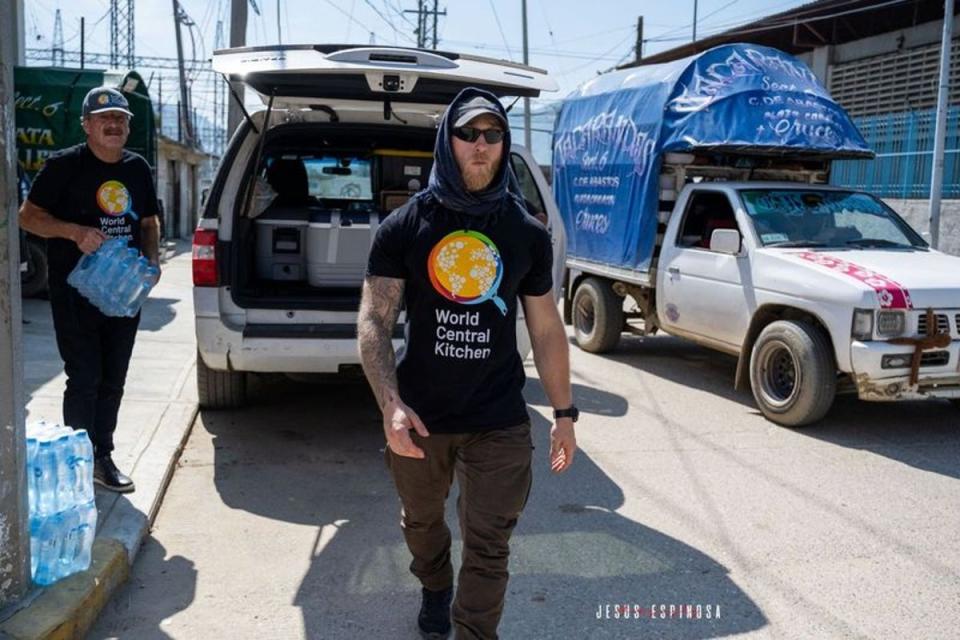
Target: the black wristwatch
(572, 412)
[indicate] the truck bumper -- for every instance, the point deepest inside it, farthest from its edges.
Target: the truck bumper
(876, 383)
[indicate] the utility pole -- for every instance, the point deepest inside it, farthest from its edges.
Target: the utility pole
(178, 18)
(279, 38)
(56, 47)
(14, 533)
(638, 49)
(218, 123)
(83, 39)
(694, 20)
(238, 38)
(20, 25)
(527, 137)
(936, 180)
(423, 32)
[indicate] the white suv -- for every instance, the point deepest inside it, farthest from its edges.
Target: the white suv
(280, 252)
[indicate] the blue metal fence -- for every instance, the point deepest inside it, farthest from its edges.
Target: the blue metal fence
(904, 146)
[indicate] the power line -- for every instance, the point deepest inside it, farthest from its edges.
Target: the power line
(387, 21)
(349, 17)
(580, 55)
(500, 27)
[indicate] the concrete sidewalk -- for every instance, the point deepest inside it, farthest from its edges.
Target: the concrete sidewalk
(159, 405)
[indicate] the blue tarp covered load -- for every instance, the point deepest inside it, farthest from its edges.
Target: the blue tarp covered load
(611, 134)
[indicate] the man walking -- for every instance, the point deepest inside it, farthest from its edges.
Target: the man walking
(458, 256)
(83, 195)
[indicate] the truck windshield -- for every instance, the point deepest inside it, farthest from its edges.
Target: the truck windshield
(822, 218)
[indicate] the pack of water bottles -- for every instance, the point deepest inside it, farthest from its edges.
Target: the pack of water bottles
(116, 279)
(63, 515)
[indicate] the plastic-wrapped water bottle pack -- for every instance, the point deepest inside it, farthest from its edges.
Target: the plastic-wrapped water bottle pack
(116, 279)
(63, 515)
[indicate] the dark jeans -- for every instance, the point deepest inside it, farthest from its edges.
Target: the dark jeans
(96, 353)
(494, 474)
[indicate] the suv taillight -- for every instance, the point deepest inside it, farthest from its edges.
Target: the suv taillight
(205, 258)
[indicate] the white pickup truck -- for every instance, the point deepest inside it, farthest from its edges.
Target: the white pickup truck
(743, 248)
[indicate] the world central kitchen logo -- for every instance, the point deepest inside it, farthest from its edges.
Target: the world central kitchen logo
(465, 267)
(114, 199)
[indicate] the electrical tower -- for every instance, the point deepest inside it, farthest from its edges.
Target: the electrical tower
(121, 33)
(426, 30)
(56, 47)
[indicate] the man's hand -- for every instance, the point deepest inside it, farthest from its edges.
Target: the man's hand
(398, 419)
(563, 443)
(88, 239)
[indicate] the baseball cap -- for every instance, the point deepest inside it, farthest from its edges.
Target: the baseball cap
(476, 106)
(102, 99)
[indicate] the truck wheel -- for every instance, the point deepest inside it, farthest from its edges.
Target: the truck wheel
(792, 373)
(33, 281)
(220, 389)
(597, 316)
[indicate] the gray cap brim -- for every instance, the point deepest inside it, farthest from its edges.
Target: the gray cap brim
(105, 109)
(479, 111)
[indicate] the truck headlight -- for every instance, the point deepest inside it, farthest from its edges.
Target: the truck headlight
(891, 323)
(862, 324)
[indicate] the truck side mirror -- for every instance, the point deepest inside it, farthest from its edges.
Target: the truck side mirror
(725, 241)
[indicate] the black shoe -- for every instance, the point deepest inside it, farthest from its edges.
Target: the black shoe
(106, 474)
(434, 618)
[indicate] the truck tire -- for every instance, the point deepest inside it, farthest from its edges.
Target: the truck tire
(220, 389)
(792, 373)
(597, 316)
(33, 281)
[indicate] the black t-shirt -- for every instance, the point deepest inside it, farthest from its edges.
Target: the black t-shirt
(76, 186)
(460, 369)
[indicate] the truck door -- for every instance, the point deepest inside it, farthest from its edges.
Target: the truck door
(703, 291)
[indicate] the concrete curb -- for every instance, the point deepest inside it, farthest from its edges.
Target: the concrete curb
(68, 609)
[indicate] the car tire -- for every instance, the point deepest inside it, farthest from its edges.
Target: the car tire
(597, 316)
(33, 281)
(792, 373)
(220, 389)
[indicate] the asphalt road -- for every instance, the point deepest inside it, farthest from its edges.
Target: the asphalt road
(281, 520)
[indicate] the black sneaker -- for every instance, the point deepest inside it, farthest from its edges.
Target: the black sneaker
(434, 618)
(106, 474)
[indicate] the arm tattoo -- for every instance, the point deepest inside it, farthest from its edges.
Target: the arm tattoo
(379, 309)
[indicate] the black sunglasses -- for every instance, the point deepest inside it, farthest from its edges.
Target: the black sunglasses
(470, 134)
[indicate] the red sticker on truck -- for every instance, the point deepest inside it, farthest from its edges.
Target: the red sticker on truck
(891, 294)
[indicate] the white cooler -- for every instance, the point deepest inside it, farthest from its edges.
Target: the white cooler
(338, 245)
(281, 245)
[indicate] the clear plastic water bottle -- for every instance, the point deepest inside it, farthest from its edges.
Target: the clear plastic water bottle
(47, 530)
(82, 467)
(62, 441)
(87, 530)
(69, 547)
(46, 473)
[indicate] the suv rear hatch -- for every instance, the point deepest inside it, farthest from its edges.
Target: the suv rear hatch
(350, 138)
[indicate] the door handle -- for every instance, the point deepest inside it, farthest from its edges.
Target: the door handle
(674, 271)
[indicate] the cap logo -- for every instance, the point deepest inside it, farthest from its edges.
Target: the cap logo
(103, 98)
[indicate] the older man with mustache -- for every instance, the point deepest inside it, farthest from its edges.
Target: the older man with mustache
(83, 195)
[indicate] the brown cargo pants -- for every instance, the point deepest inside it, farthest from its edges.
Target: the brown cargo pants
(494, 474)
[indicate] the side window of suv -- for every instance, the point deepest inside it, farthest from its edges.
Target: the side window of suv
(528, 188)
(706, 212)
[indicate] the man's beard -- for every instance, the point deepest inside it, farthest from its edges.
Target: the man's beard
(478, 177)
